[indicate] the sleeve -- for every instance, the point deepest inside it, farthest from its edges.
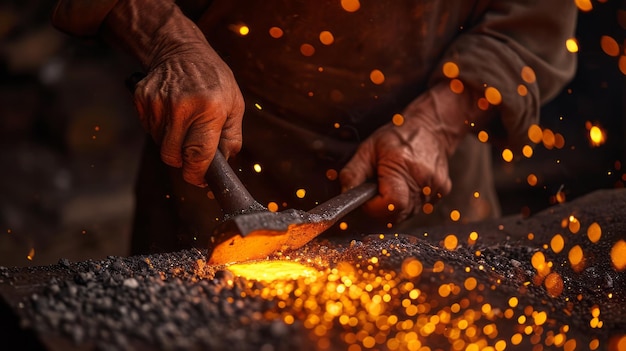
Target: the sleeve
(84, 17)
(510, 62)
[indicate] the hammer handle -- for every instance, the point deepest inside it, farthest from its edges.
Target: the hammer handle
(228, 190)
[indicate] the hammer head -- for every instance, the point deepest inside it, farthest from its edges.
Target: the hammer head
(256, 235)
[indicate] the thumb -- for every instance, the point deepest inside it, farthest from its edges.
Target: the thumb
(359, 168)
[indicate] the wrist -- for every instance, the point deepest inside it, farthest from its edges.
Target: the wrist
(150, 30)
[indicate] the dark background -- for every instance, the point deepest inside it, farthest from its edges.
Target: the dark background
(70, 140)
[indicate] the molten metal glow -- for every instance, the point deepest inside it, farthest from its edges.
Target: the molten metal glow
(269, 271)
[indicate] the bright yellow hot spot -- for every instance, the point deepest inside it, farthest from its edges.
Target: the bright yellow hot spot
(527, 151)
(450, 70)
(609, 46)
(507, 155)
(350, 5)
(584, 5)
(575, 255)
(411, 267)
(326, 37)
(257, 168)
(272, 270)
(455, 215)
(483, 136)
(540, 318)
(276, 32)
(272, 206)
(450, 242)
(301, 193)
(473, 236)
(535, 134)
(618, 255)
(244, 30)
(528, 74)
(572, 45)
(377, 77)
(397, 119)
(31, 254)
(513, 301)
(493, 96)
(531, 179)
(557, 243)
(594, 232)
(596, 134)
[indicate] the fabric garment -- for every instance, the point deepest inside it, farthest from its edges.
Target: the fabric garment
(318, 78)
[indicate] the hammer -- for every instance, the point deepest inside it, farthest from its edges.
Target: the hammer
(249, 231)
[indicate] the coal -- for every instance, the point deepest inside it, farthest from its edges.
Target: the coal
(174, 301)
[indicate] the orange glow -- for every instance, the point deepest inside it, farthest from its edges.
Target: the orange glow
(456, 86)
(450, 70)
(538, 260)
(427, 208)
(272, 270)
(326, 37)
(557, 243)
(301, 193)
(331, 174)
(618, 255)
(594, 232)
(307, 50)
(531, 179)
(575, 257)
(272, 206)
(584, 5)
(574, 224)
(276, 32)
(391, 207)
(507, 155)
(343, 225)
(455, 215)
(31, 254)
(609, 46)
(554, 284)
(483, 104)
(522, 90)
(483, 136)
(548, 138)
(559, 141)
(528, 74)
(244, 30)
(493, 96)
(397, 119)
(412, 268)
(535, 134)
(527, 151)
(450, 242)
(622, 64)
(350, 5)
(571, 45)
(377, 77)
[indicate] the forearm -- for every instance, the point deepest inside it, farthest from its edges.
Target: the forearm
(517, 49)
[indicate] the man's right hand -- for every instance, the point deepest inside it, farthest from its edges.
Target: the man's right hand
(189, 100)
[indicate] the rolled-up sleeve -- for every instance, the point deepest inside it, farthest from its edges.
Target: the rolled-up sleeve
(516, 48)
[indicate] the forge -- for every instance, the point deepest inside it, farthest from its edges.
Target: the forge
(552, 281)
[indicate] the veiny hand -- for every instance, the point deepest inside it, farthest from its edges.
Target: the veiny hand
(406, 159)
(190, 103)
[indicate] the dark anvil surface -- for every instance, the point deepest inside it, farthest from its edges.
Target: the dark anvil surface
(174, 301)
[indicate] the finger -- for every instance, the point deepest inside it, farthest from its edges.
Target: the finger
(395, 202)
(231, 136)
(359, 168)
(172, 144)
(198, 151)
